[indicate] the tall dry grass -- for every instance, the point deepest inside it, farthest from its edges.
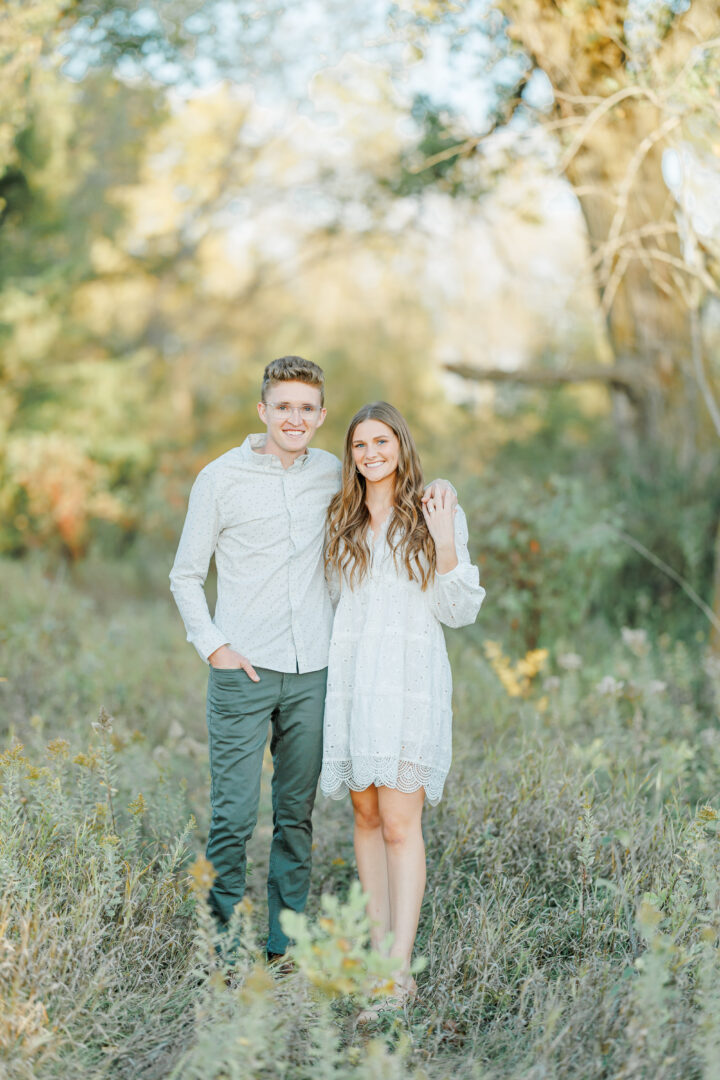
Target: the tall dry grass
(571, 922)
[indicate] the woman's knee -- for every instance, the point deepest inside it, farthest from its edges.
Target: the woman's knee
(396, 829)
(367, 818)
(400, 815)
(366, 812)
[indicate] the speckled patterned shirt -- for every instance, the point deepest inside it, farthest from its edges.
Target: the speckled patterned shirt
(265, 525)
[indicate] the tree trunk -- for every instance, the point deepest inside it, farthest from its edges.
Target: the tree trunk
(715, 635)
(618, 130)
(620, 124)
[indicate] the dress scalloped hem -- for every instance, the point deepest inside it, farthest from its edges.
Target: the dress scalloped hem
(340, 776)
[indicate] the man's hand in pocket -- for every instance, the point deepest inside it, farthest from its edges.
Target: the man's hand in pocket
(226, 659)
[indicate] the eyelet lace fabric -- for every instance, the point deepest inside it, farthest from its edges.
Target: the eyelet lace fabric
(388, 709)
(341, 776)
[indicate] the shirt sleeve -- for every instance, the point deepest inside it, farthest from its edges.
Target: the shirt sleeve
(332, 576)
(187, 577)
(458, 595)
(448, 482)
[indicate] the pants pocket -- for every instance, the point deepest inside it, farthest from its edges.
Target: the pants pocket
(227, 693)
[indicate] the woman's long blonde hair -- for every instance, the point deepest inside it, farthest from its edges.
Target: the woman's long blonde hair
(348, 522)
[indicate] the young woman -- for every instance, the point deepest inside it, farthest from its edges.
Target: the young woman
(397, 570)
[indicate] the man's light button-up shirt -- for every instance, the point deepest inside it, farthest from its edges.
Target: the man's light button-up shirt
(265, 525)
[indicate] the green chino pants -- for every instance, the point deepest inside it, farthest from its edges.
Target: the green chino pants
(238, 713)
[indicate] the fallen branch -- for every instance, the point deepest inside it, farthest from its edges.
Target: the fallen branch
(630, 383)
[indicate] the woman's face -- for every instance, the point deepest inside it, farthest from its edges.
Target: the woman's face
(375, 449)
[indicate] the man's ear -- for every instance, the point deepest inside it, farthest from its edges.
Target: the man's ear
(262, 411)
(323, 414)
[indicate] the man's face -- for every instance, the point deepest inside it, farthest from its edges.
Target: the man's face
(292, 414)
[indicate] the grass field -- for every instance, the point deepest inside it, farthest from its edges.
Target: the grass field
(572, 916)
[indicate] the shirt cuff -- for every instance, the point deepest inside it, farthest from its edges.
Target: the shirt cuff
(209, 642)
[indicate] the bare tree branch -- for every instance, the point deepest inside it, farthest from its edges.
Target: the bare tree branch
(629, 382)
(608, 295)
(699, 367)
(444, 155)
(597, 114)
(612, 247)
(632, 170)
(697, 272)
(651, 557)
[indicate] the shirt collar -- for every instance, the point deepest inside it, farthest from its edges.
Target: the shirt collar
(255, 442)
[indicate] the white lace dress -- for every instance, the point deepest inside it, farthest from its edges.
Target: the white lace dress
(388, 709)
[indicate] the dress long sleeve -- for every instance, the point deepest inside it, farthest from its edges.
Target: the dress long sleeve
(332, 578)
(458, 595)
(187, 577)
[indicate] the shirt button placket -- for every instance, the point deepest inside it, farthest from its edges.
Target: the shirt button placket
(287, 489)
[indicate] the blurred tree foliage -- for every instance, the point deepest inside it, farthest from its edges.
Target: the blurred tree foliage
(628, 98)
(555, 518)
(158, 248)
(155, 254)
(627, 95)
(69, 408)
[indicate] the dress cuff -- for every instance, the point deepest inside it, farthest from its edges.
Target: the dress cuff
(449, 575)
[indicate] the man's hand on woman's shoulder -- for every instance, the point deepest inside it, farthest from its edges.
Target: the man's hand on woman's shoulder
(441, 492)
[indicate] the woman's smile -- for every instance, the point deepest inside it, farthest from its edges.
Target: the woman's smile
(373, 437)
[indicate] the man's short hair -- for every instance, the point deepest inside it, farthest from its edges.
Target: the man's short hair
(293, 368)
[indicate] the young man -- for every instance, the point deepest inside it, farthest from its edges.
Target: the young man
(260, 510)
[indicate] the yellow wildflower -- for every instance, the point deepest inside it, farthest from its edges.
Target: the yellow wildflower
(89, 760)
(58, 748)
(138, 806)
(516, 678)
(202, 875)
(14, 756)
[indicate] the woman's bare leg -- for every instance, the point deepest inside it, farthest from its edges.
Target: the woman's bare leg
(400, 820)
(372, 862)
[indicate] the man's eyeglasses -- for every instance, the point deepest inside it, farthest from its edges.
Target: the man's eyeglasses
(283, 409)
